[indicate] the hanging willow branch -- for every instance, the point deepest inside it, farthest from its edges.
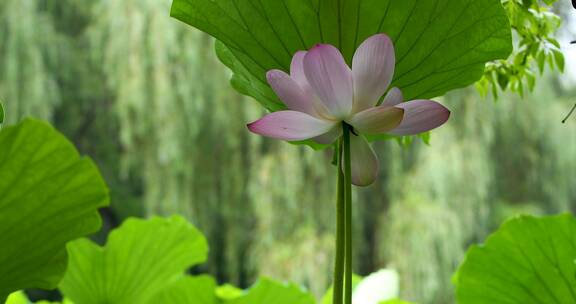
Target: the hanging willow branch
(27, 85)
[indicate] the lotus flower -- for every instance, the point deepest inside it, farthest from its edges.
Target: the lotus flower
(322, 92)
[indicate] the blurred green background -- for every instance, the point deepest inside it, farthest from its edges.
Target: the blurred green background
(146, 97)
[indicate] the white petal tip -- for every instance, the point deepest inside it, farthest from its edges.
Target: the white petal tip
(274, 74)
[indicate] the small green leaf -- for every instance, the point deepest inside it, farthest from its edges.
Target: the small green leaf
(519, 59)
(426, 137)
(267, 291)
(554, 42)
(503, 80)
(141, 258)
(550, 59)
(494, 92)
(528, 260)
(520, 88)
(559, 59)
(531, 79)
(49, 195)
(541, 60)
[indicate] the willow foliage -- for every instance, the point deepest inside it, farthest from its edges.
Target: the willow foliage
(27, 82)
(178, 125)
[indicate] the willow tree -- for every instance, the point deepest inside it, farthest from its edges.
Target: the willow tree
(27, 84)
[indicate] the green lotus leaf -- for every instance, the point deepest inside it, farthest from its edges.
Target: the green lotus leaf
(528, 260)
(440, 45)
(140, 259)
(49, 195)
(267, 291)
(197, 290)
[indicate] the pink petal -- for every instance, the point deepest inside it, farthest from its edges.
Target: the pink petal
(291, 93)
(373, 69)
(364, 162)
(393, 98)
(330, 137)
(421, 116)
(330, 78)
(377, 120)
(290, 126)
(297, 70)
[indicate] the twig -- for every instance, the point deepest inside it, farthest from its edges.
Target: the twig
(569, 114)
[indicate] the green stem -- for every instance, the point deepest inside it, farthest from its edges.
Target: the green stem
(348, 214)
(339, 263)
